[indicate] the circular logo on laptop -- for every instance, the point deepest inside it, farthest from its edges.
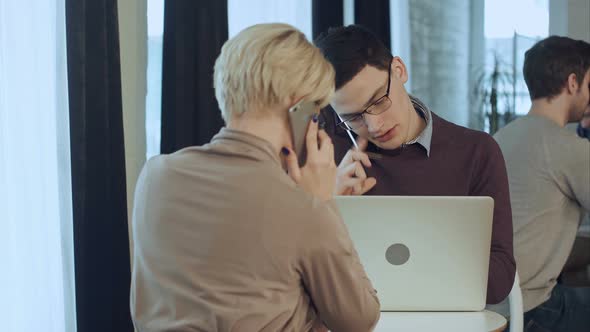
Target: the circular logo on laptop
(397, 254)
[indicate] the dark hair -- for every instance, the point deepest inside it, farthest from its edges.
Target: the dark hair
(548, 64)
(350, 49)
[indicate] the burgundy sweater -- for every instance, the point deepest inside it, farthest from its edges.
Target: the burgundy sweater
(462, 162)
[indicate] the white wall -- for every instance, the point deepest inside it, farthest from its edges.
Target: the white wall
(133, 47)
(440, 52)
(579, 19)
(477, 60)
(570, 18)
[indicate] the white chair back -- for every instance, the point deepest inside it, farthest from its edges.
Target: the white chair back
(516, 307)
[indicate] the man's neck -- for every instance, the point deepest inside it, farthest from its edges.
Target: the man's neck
(556, 109)
(417, 123)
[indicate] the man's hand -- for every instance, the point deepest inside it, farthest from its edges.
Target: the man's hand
(318, 175)
(351, 178)
(585, 122)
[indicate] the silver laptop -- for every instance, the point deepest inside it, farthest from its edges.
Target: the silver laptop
(423, 253)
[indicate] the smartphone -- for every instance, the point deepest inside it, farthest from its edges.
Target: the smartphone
(299, 117)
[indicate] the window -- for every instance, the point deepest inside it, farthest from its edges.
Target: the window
(242, 14)
(508, 35)
(154, 77)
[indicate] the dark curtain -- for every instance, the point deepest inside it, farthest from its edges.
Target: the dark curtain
(194, 32)
(326, 14)
(101, 242)
(374, 15)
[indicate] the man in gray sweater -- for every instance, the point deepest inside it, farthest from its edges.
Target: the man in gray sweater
(549, 175)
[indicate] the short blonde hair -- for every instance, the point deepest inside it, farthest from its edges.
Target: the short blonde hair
(265, 66)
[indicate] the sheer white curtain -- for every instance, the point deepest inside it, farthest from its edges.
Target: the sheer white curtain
(242, 14)
(36, 245)
(153, 107)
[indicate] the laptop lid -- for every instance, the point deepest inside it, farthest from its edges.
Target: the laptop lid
(423, 253)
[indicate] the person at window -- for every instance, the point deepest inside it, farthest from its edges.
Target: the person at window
(549, 173)
(404, 148)
(224, 238)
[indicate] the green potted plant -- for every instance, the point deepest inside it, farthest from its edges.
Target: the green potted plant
(494, 89)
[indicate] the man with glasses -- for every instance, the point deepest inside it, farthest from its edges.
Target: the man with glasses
(403, 148)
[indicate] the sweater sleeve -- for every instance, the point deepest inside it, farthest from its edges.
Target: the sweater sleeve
(334, 277)
(489, 178)
(570, 165)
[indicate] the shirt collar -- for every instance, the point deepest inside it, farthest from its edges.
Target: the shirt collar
(425, 137)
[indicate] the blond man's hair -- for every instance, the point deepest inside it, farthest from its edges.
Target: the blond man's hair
(267, 65)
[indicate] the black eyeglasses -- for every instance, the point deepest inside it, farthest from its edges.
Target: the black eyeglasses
(356, 120)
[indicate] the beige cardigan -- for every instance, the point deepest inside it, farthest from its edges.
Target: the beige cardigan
(225, 241)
